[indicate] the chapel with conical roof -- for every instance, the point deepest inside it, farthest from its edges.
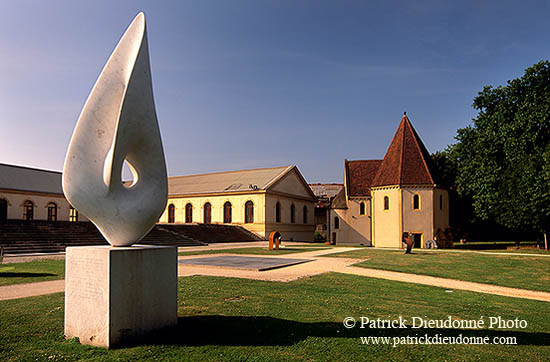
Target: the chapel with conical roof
(382, 199)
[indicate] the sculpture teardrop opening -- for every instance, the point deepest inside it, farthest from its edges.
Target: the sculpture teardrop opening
(129, 175)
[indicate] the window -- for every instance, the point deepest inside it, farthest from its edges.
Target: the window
(73, 214)
(188, 213)
(3, 210)
(386, 203)
(305, 214)
(28, 210)
(207, 213)
(416, 202)
(249, 212)
(277, 212)
(336, 222)
(362, 208)
(292, 214)
(171, 213)
(52, 211)
(440, 202)
(227, 212)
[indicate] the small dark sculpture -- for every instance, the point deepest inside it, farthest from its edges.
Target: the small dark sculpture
(407, 240)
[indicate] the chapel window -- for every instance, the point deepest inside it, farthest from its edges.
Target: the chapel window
(362, 208)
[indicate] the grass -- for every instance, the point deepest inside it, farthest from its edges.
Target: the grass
(516, 271)
(253, 251)
(223, 319)
(32, 271)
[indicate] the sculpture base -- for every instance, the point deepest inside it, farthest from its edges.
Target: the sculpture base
(116, 295)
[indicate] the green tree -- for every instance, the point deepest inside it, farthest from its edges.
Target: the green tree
(503, 159)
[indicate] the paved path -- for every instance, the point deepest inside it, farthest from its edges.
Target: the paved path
(17, 291)
(317, 266)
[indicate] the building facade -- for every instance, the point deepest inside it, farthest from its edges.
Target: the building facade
(33, 194)
(382, 199)
(260, 200)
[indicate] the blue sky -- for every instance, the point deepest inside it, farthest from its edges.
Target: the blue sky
(246, 84)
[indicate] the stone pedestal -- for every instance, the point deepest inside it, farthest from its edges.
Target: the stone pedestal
(115, 295)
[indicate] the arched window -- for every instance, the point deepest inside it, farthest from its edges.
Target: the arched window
(292, 214)
(28, 210)
(277, 212)
(249, 212)
(3, 210)
(73, 214)
(362, 208)
(416, 202)
(440, 202)
(207, 213)
(336, 222)
(386, 203)
(227, 212)
(52, 211)
(171, 213)
(189, 213)
(305, 214)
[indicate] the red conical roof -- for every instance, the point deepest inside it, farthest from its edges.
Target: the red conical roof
(407, 161)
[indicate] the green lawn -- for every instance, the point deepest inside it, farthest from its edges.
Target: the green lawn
(526, 272)
(223, 319)
(254, 251)
(33, 271)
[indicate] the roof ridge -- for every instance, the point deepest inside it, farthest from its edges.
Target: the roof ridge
(280, 175)
(403, 121)
(31, 168)
(377, 159)
(232, 171)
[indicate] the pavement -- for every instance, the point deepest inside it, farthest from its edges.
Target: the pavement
(317, 265)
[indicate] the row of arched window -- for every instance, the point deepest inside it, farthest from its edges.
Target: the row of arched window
(28, 211)
(292, 213)
(207, 213)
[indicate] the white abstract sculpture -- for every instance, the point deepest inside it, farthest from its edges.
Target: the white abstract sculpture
(118, 123)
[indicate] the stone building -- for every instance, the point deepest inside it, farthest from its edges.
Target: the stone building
(261, 200)
(28, 193)
(381, 199)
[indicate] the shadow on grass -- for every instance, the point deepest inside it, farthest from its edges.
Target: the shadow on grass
(25, 275)
(268, 331)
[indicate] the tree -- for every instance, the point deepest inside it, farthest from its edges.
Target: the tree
(503, 159)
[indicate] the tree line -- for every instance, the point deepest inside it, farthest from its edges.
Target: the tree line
(498, 171)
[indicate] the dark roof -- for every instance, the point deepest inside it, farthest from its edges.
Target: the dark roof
(327, 190)
(360, 175)
(407, 162)
(24, 178)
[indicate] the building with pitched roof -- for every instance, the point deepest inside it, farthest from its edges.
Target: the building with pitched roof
(28, 193)
(325, 194)
(382, 199)
(260, 200)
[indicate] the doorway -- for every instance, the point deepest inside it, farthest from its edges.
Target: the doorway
(417, 240)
